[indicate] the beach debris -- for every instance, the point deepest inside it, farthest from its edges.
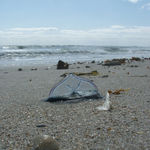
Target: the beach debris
(104, 76)
(20, 69)
(111, 63)
(134, 66)
(45, 142)
(135, 59)
(80, 63)
(73, 87)
(87, 66)
(114, 62)
(62, 65)
(106, 105)
(140, 76)
(33, 69)
(93, 61)
(119, 91)
(92, 73)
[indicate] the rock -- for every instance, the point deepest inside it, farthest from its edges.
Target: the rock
(87, 66)
(62, 65)
(93, 61)
(19, 69)
(45, 142)
(41, 125)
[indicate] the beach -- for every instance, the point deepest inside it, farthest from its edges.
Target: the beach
(76, 126)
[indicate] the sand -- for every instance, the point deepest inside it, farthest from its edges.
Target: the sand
(76, 126)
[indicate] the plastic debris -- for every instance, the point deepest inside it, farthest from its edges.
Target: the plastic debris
(106, 105)
(73, 87)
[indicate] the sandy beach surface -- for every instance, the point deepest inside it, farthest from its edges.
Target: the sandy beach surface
(76, 126)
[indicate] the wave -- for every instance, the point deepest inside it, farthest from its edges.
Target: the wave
(47, 51)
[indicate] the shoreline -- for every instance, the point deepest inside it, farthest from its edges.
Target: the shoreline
(79, 125)
(49, 63)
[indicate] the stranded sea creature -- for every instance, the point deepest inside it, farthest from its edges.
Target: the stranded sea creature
(73, 87)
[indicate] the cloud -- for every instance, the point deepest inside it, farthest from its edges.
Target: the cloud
(35, 29)
(146, 6)
(113, 35)
(133, 1)
(118, 27)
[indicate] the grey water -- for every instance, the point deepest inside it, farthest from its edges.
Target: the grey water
(26, 55)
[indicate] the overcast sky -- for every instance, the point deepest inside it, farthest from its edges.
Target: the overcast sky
(82, 22)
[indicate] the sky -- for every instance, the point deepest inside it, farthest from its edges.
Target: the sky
(75, 22)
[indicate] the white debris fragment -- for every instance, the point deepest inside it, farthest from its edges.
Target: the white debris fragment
(106, 105)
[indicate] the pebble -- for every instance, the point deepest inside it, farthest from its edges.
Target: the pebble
(19, 69)
(45, 142)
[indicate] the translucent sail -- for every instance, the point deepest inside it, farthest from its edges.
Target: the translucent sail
(73, 87)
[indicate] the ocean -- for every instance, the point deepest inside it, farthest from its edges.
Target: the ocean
(20, 55)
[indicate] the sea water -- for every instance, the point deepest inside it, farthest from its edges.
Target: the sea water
(20, 55)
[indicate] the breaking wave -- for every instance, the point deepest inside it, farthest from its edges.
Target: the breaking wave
(52, 53)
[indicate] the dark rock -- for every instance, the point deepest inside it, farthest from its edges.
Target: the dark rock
(41, 125)
(87, 66)
(93, 61)
(45, 143)
(62, 65)
(19, 69)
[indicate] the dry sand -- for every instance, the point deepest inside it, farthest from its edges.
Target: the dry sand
(76, 126)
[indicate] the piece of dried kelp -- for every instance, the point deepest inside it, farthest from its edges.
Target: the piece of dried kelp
(92, 73)
(117, 92)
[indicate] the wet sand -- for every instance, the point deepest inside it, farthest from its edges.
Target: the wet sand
(76, 126)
